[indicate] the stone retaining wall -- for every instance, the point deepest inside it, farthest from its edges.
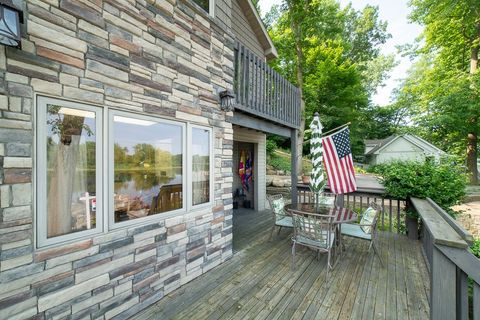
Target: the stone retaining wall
(163, 58)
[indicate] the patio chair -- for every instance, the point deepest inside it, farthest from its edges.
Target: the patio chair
(280, 217)
(314, 231)
(366, 229)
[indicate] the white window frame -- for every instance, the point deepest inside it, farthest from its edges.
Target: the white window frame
(211, 7)
(41, 215)
(110, 165)
(190, 168)
(105, 218)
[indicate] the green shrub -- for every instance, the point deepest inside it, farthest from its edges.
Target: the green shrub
(443, 182)
(271, 146)
(476, 248)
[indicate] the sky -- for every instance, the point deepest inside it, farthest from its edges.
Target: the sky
(395, 12)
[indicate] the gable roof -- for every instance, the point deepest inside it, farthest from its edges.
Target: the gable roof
(373, 142)
(260, 31)
(413, 139)
(379, 144)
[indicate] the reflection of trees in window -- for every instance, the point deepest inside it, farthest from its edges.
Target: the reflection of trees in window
(204, 4)
(68, 161)
(139, 169)
(147, 156)
(200, 166)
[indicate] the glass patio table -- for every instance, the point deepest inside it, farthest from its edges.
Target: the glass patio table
(340, 214)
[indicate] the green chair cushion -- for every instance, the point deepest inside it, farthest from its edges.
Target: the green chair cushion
(284, 222)
(278, 208)
(367, 218)
(321, 243)
(354, 230)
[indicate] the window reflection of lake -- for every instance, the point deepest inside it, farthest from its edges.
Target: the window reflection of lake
(143, 183)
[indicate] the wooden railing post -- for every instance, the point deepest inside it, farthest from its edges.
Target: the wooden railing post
(476, 301)
(443, 287)
(462, 294)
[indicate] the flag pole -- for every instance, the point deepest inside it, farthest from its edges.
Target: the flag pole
(335, 129)
(330, 131)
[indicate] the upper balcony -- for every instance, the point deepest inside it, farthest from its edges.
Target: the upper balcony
(262, 92)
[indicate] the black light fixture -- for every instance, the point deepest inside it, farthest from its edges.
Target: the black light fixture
(10, 19)
(227, 100)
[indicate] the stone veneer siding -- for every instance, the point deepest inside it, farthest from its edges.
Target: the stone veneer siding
(162, 57)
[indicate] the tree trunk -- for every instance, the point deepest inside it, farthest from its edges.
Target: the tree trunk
(472, 158)
(472, 136)
(295, 25)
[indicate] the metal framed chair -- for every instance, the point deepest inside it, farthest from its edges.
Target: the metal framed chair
(367, 228)
(314, 231)
(280, 217)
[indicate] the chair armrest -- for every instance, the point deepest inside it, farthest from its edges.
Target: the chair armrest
(360, 225)
(365, 225)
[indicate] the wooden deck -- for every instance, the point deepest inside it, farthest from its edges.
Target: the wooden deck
(258, 283)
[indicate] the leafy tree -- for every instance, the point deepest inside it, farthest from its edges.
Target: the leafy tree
(382, 122)
(444, 85)
(332, 55)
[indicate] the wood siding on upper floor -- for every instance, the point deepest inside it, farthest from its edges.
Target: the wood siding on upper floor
(243, 30)
(223, 13)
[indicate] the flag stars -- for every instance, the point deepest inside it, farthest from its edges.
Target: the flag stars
(342, 143)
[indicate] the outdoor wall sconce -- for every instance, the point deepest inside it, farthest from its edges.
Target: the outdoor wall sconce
(10, 19)
(227, 100)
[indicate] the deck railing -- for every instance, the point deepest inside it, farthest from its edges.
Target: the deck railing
(392, 213)
(451, 264)
(262, 92)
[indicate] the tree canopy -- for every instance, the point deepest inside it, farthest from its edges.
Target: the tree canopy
(441, 91)
(333, 55)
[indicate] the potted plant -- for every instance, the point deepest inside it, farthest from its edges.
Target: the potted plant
(305, 179)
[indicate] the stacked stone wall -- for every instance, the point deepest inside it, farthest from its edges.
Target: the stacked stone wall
(164, 58)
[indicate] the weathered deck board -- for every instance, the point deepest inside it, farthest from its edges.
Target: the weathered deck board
(258, 282)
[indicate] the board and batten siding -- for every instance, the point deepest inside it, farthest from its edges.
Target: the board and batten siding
(399, 150)
(243, 30)
(260, 162)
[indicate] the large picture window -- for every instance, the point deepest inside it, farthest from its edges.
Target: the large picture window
(148, 167)
(153, 166)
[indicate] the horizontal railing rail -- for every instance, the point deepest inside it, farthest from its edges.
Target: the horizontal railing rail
(451, 264)
(392, 213)
(261, 91)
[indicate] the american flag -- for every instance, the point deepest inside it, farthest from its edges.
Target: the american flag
(338, 162)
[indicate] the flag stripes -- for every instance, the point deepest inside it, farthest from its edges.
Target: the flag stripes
(339, 163)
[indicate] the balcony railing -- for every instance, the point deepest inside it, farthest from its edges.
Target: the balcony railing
(262, 92)
(451, 264)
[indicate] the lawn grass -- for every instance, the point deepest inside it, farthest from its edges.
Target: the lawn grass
(281, 160)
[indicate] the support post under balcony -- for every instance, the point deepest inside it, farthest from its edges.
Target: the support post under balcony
(294, 161)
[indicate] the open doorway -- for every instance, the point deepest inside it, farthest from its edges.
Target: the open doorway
(243, 175)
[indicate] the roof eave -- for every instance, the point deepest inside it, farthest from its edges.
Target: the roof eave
(260, 31)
